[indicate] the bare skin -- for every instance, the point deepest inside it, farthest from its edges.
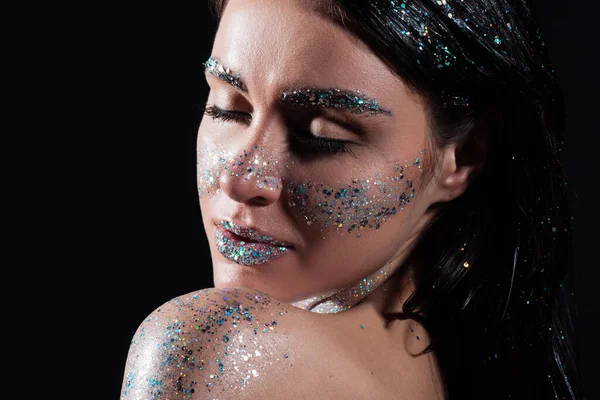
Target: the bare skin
(275, 45)
(284, 352)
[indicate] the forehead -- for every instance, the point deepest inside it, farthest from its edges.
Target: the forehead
(276, 44)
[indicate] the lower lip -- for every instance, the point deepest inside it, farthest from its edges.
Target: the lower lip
(240, 251)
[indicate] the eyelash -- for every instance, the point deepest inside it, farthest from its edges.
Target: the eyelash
(308, 141)
(226, 115)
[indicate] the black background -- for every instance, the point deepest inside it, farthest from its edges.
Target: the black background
(155, 249)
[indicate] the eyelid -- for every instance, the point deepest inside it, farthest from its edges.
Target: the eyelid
(217, 112)
(324, 144)
(331, 126)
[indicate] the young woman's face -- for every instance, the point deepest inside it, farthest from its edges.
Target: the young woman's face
(319, 147)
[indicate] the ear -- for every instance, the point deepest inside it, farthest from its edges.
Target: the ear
(461, 163)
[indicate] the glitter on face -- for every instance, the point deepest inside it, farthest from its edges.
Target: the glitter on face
(250, 233)
(355, 101)
(352, 207)
(214, 67)
(250, 164)
(191, 355)
(242, 252)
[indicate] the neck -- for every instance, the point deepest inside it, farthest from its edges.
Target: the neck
(377, 290)
(375, 286)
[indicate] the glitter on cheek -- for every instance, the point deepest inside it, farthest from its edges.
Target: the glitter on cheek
(364, 203)
(254, 164)
(208, 161)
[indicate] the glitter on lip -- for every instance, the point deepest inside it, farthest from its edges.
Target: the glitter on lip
(252, 235)
(246, 253)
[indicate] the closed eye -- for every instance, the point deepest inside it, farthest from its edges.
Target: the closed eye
(305, 144)
(226, 115)
(302, 144)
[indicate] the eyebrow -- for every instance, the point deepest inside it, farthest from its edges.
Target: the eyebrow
(353, 101)
(214, 67)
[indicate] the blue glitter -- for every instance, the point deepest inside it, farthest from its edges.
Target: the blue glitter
(154, 382)
(355, 101)
(214, 67)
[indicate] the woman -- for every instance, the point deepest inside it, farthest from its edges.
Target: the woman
(381, 188)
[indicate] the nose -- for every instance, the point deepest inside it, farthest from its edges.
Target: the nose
(254, 176)
(252, 182)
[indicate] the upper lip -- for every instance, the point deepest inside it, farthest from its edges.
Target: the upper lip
(251, 233)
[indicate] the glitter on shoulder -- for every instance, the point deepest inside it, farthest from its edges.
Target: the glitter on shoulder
(209, 341)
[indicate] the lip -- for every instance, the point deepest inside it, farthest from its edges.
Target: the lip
(243, 251)
(251, 234)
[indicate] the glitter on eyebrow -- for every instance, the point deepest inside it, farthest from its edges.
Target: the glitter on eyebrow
(214, 67)
(356, 101)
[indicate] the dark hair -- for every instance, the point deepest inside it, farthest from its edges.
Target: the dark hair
(494, 266)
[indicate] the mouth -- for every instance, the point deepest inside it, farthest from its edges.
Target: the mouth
(251, 234)
(246, 246)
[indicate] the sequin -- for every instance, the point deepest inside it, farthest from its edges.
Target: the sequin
(356, 101)
(341, 300)
(185, 361)
(358, 204)
(214, 67)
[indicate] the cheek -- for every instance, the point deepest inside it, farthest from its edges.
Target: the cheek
(214, 159)
(207, 171)
(356, 204)
(336, 202)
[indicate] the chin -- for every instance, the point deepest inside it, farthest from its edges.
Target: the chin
(227, 275)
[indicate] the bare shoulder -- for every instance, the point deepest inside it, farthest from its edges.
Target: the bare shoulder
(241, 343)
(216, 343)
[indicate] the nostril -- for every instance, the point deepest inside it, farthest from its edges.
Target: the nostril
(260, 201)
(257, 191)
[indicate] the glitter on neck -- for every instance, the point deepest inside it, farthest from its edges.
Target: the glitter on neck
(341, 300)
